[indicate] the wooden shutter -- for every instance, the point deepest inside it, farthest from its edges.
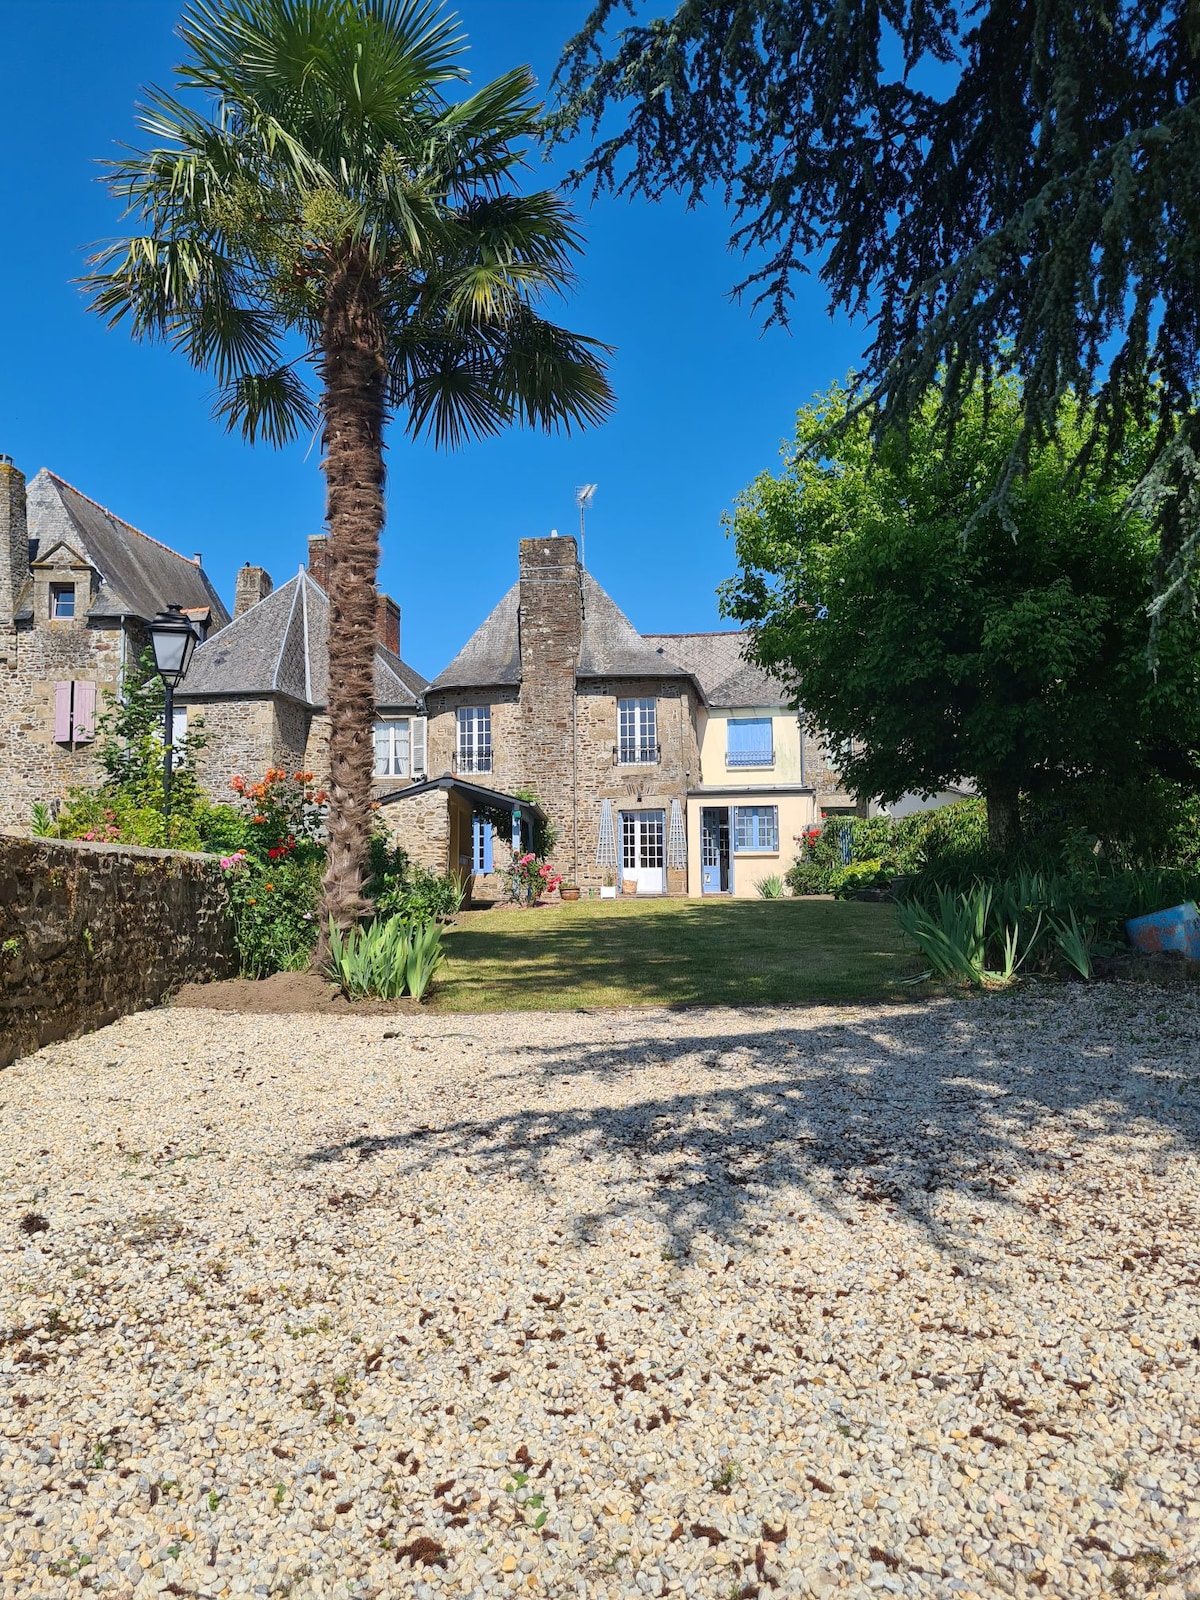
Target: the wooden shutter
(83, 711)
(487, 845)
(417, 766)
(62, 713)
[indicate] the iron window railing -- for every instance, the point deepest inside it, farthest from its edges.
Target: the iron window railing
(637, 755)
(750, 758)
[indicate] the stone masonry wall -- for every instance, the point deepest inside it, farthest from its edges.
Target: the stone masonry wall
(422, 827)
(551, 632)
(600, 778)
(91, 932)
(240, 737)
(594, 775)
(33, 767)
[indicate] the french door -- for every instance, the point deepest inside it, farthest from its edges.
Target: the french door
(642, 839)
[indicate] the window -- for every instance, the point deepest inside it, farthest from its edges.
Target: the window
(399, 747)
(74, 713)
(178, 737)
(62, 601)
(637, 732)
(749, 742)
(481, 845)
(756, 828)
(474, 738)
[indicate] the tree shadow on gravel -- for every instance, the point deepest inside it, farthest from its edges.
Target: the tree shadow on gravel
(892, 1111)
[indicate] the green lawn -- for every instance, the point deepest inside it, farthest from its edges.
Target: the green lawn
(674, 952)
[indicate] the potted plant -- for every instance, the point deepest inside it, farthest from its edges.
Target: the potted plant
(569, 891)
(608, 890)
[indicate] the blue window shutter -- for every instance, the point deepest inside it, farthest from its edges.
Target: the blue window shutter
(749, 735)
(487, 846)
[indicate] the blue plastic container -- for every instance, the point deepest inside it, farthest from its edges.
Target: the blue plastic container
(1177, 929)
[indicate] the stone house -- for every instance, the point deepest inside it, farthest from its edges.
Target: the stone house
(666, 763)
(262, 685)
(78, 586)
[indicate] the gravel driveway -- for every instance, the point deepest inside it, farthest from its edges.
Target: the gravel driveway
(711, 1303)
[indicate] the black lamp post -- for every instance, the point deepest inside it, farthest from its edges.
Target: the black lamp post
(173, 639)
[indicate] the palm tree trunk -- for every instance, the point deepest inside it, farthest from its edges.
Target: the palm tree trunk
(352, 376)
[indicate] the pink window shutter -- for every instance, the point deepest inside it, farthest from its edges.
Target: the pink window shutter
(62, 713)
(85, 711)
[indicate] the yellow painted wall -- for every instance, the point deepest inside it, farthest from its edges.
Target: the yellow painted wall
(796, 812)
(785, 731)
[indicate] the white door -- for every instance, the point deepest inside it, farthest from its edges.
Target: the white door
(642, 834)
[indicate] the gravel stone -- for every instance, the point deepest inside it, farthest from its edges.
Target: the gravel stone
(777, 1302)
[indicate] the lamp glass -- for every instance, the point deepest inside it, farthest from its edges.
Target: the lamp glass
(173, 640)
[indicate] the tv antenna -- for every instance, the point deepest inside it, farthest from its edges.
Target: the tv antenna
(585, 493)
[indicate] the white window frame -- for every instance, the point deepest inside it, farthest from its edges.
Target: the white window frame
(399, 735)
(759, 814)
(411, 765)
(61, 591)
(474, 738)
(637, 732)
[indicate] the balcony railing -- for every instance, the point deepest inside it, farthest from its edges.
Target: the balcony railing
(637, 755)
(480, 761)
(750, 758)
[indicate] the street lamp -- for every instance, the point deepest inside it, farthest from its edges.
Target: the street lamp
(173, 639)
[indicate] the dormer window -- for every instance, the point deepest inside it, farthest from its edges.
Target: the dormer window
(62, 601)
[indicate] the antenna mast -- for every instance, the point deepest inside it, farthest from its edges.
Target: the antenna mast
(585, 493)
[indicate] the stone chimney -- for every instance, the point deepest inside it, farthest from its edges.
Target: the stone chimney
(318, 559)
(387, 623)
(550, 626)
(14, 539)
(253, 584)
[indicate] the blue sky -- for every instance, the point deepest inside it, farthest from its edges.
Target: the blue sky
(704, 396)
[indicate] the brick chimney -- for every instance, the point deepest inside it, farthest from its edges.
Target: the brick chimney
(318, 559)
(387, 623)
(14, 538)
(253, 584)
(551, 634)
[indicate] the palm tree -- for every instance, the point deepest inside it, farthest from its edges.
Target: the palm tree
(337, 241)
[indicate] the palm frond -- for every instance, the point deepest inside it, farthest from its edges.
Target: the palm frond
(275, 406)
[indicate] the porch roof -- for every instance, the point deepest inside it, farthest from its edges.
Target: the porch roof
(493, 799)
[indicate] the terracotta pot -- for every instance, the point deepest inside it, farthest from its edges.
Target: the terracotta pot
(569, 894)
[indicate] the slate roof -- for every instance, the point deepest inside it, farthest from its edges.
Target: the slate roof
(138, 576)
(715, 660)
(492, 655)
(611, 646)
(281, 647)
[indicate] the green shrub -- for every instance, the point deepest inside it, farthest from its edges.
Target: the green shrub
(386, 959)
(770, 888)
(415, 893)
(274, 909)
(845, 882)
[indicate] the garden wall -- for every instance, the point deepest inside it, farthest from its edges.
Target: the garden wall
(89, 932)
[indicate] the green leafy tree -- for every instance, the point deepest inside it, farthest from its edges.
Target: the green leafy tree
(338, 241)
(1010, 185)
(1014, 655)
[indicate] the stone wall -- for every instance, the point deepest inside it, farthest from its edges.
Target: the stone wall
(585, 769)
(421, 826)
(33, 767)
(90, 932)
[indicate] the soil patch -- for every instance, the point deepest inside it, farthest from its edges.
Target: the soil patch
(284, 992)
